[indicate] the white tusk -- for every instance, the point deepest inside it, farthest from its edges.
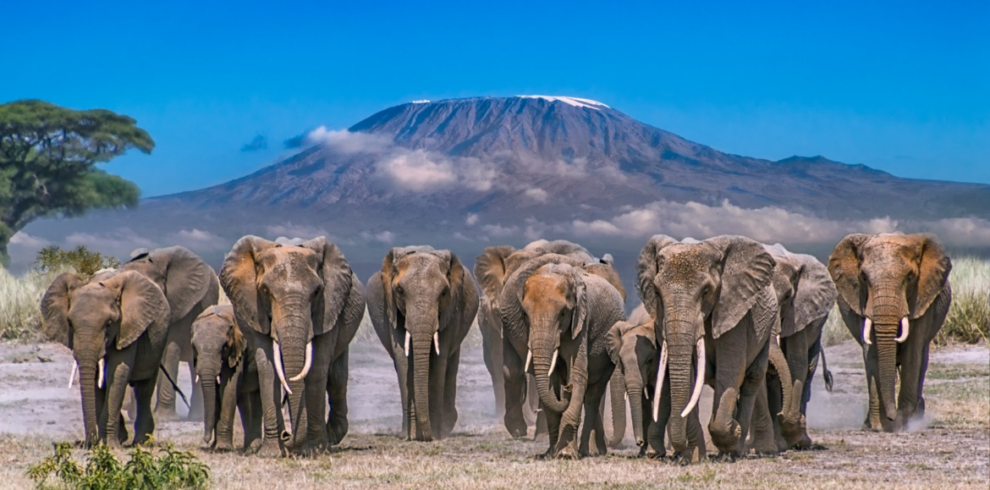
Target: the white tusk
(553, 363)
(867, 327)
(197, 379)
(72, 375)
(529, 359)
(306, 365)
(408, 342)
(436, 341)
(776, 339)
(699, 379)
(658, 390)
(646, 393)
(99, 379)
(905, 329)
(277, 357)
(218, 379)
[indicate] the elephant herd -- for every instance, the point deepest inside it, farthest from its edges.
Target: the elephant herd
(739, 316)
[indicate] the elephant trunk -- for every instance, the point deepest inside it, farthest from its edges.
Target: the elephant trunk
(293, 357)
(617, 392)
(790, 414)
(88, 391)
(207, 382)
(634, 390)
(422, 344)
(679, 367)
(887, 315)
(545, 353)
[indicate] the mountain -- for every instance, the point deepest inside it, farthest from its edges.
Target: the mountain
(465, 173)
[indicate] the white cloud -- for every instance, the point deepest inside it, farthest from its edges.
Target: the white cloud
(199, 239)
(385, 237)
(472, 219)
(293, 230)
(119, 242)
(21, 239)
(416, 171)
(499, 230)
(536, 194)
(348, 142)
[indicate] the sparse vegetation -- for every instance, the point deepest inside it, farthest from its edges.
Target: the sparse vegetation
(20, 314)
(83, 261)
(172, 469)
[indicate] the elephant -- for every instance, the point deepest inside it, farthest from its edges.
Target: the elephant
(191, 286)
(116, 325)
(633, 347)
(300, 304)
(422, 304)
(228, 376)
(894, 295)
(805, 295)
(492, 268)
(558, 313)
(714, 307)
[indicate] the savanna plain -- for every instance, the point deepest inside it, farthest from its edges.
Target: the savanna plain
(951, 450)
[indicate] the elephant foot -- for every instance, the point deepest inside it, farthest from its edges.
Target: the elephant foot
(311, 450)
(568, 452)
(336, 430)
(766, 449)
(724, 457)
(683, 458)
(271, 449)
(652, 453)
(166, 415)
(223, 447)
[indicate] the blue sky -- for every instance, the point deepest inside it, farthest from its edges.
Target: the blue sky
(900, 86)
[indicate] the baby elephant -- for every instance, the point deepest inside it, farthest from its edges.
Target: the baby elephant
(228, 375)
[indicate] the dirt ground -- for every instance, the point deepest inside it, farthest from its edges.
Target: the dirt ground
(952, 450)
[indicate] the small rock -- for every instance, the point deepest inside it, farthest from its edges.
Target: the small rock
(44, 359)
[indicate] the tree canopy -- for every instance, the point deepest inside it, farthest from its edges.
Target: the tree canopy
(48, 155)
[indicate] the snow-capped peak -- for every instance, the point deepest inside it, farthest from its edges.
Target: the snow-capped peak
(420, 101)
(574, 101)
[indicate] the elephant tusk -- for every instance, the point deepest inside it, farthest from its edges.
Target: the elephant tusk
(905, 329)
(553, 363)
(867, 327)
(529, 359)
(408, 342)
(218, 379)
(197, 379)
(776, 338)
(99, 379)
(277, 357)
(436, 342)
(306, 365)
(699, 379)
(661, 372)
(72, 375)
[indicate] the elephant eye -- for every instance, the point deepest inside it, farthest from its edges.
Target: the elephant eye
(399, 290)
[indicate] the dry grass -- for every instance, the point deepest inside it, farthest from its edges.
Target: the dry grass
(20, 297)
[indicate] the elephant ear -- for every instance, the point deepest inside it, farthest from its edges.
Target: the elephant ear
(814, 295)
(336, 274)
(142, 304)
(187, 279)
(490, 270)
(844, 267)
(388, 273)
(613, 341)
(747, 270)
(933, 273)
(607, 272)
(235, 338)
(579, 316)
(646, 272)
(459, 287)
(239, 279)
(55, 308)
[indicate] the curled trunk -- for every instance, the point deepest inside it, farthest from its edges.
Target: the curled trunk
(543, 347)
(790, 406)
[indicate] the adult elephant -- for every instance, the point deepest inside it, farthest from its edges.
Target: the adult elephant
(116, 325)
(894, 294)
(714, 307)
(300, 304)
(805, 295)
(556, 314)
(492, 268)
(422, 304)
(634, 350)
(228, 376)
(191, 286)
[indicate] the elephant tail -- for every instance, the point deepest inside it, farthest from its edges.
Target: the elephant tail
(826, 374)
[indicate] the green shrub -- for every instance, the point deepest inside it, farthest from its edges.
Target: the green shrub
(172, 469)
(84, 261)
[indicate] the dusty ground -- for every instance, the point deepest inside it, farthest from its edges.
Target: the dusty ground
(952, 451)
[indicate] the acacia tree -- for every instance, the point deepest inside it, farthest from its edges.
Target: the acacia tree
(48, 157)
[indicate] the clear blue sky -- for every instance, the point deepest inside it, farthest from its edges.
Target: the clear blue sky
(900, 86)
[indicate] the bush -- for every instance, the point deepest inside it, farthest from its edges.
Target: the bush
(80, 259)
(20, 298)
(172, 469)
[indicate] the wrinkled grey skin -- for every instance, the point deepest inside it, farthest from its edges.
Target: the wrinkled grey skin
(284, 297)
(886, 278)
(517, 401)
(220, 352)
(191, 286)
(718, 290)
(422, 292)
(805, 295)
(551, 303)
(122, 318)
(633, 347)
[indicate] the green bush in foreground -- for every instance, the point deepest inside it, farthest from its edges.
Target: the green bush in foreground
(173, 469)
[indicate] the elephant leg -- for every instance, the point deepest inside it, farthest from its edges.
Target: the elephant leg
(144, 424)
(775, 403)
(437, 387)
(749, 391)
(450, 394)
(872, 421)
(515, 390)
(229, 401)
(913, 361)
(763, 439)
(315, 397)
(401, 363)
(492, 353)
(337, 391)
(695, 434)
(165, 409)
(273, 444)
(593, 421)
(118, 372)
(658, 427)
(553, 431)
(196, 397)
(253, 423)
(796, 351)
